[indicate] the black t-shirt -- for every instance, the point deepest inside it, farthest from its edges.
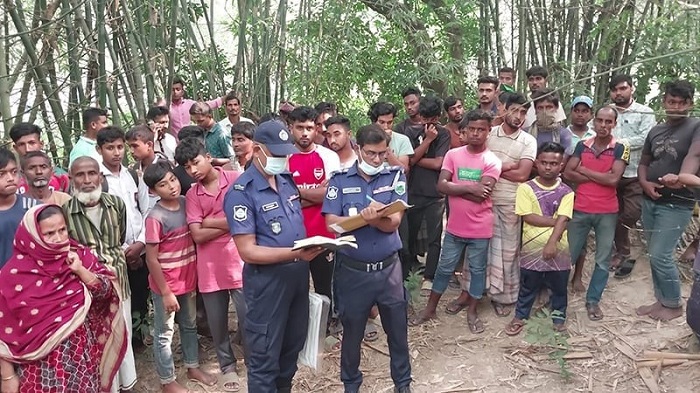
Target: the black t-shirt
(668, 145)
(423, 181)
(185, 179)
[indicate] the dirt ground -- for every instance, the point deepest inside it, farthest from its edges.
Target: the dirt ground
(446, 357)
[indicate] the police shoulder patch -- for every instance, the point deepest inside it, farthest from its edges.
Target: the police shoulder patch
(239, 187)
(400, 188)
(332, 193)
(339, 172)
(240, 213)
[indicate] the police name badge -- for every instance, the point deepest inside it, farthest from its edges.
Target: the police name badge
(400, 188)
(275, 227)
(332, 192)
(240, 213)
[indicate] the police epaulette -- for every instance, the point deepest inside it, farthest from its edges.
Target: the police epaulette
(395, 168)
(340, 171)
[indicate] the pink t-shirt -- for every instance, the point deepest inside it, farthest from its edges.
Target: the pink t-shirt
(176, 255)
(219, 266)
(311, 170)
(180, 113)
(467, 219)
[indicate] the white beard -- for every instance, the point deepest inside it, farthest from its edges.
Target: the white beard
(88, 198)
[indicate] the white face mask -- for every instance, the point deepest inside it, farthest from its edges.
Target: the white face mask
(274, 165)
(367, 168)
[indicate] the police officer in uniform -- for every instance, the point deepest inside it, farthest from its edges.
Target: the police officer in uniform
(370, 274)
(263, 211)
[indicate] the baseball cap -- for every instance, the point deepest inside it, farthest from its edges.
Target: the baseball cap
(588, 101)
(275, 136)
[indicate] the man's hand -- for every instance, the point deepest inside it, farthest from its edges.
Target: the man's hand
(309, 253)
(170, 303)
(650, 188)
(670, 180)
(371, 213)
(431, 132)
(549, 251)
(133, 255)
(482, 190)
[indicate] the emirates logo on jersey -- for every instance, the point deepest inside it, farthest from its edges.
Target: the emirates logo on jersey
(318, 173)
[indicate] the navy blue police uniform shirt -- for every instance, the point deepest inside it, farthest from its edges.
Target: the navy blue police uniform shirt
(348, 194)
(253, 207)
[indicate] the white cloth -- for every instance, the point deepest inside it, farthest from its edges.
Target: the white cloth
(126, 378)
(226, 124)
(166, 147)
(135, 198)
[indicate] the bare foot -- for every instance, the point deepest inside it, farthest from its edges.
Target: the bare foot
(648, 309)
(666, 314)
(577, 286)
(197, 374)
(690, 251)
(174, 387)
(422, 317)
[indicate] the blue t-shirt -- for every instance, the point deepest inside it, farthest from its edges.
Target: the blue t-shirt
(9, 221)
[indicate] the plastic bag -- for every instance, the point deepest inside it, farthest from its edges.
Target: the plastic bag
(319, 306)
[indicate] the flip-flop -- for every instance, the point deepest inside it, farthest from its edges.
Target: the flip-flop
(625, 268)
(371, 333)
(332, 344)
(230, 379)
(560, 328)
(475, 325)
(594, 312)
(614, 266)
(425, 288)
(454, 307)
(513, 328)
(500, 310)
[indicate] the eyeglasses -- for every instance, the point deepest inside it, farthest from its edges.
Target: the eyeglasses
(374, 154)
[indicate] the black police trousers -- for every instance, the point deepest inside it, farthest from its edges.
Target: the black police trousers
(355, 293)
(277, 297)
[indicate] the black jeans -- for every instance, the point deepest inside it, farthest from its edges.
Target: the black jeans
(432, 210)
(532, 282)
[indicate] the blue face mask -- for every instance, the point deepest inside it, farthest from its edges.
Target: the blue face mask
(274, 165)
(368, 169)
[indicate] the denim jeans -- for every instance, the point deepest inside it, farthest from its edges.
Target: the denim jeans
(664, 224)
(163, 327)
(477, 255)
(532, 282)
(604, 227)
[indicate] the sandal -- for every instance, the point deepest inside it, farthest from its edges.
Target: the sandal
(514, 327)
(625, 269)
(426, 288)
(475, 325)
(230, 382)
(616, 262)
(500, 310)
(454, 307)
(594, 312)
(332, 344)
(371, 332)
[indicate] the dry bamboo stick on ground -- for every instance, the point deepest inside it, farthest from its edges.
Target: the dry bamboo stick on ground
(661, 362)
(670, 355)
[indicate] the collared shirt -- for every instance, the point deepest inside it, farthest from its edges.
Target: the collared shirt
(136, 201)
(348, 193)
(274, 217)
(575, 139)
(633, 125)
(166, 147)
(592, 197)
(106, 241)
(226, 124)
(509, 148)
(218, 143)
(84, 147)
(180, 113)
(153, 198)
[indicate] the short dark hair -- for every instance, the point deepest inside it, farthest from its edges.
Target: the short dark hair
(506, 69)
(157, 111)
(488, 79)
(619, 78)
(178, 80)
(515, 99)
(92, 114)
(326, 107)
(340, 120)
(200, 108)
(247, 129)
(475, 115)
(380, 108)
(156, 172)
(430, 106)
(191, 132)
(301, 114)
(411, 91)
(140, 132)
(6, 156)
(680, 88)
(371, 134)
(23, 129)
(537, 71)
(50, 211)
(110, 134)
(232, 95)
(188, 149)
(32, 154)
(270, 116)
(551, 147)
(547, 95)
(607, 107)
(450, 102)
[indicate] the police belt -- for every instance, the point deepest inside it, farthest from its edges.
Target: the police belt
(368, 266)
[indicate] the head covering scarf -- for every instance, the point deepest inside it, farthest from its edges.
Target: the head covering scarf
(42, 302)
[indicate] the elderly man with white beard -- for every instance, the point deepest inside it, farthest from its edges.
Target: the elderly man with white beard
(98, 220)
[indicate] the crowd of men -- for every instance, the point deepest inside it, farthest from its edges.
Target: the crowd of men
(212, 210)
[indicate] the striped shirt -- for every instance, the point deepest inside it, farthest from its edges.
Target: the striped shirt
(106, 241)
